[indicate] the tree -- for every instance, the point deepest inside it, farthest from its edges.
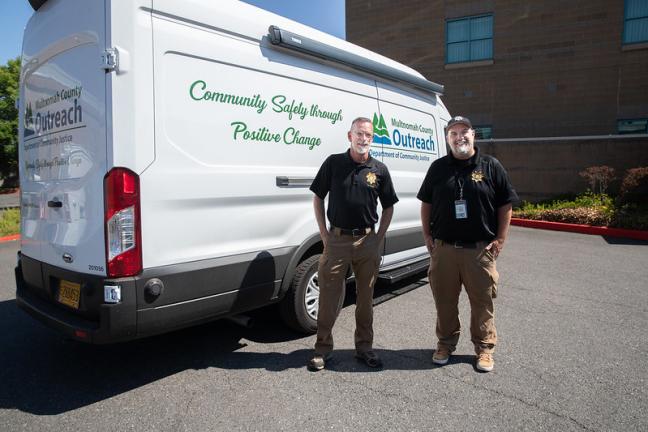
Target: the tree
(598, 175)
(9, 90)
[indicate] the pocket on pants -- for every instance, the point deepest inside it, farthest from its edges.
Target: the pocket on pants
(486, 258)
(321, 266)
(494, 279)
(377, 261)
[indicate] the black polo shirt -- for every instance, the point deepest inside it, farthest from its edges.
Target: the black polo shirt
(355, 189)
(486, 188)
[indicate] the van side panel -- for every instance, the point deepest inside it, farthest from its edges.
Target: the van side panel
(225, 132)
(407, 129)
(232, 117)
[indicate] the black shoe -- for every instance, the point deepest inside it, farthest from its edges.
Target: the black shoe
(318, 362)
(369, 358)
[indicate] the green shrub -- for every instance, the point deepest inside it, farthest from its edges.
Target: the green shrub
(600, 176)
(630, 210)
(588, 208)
(9, 222)
(631, 216)
(587, 199)
(634, 187)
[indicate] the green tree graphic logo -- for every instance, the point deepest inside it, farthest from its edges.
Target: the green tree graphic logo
(381, 134)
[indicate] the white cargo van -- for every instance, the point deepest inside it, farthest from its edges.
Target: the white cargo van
(166, 150)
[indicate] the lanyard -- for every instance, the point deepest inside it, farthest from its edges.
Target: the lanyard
(459, 182)
(460, 205)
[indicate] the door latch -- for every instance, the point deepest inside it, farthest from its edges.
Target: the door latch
(110, 60)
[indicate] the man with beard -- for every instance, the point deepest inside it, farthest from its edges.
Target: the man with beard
(466, 205)
(354, 182)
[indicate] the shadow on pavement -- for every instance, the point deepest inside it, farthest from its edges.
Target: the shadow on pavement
(44, 374)
(624, 241)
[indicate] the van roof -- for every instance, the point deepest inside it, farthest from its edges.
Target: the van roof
(242, 19)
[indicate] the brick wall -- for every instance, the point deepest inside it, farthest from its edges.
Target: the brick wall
(558, 69)
(545, 169)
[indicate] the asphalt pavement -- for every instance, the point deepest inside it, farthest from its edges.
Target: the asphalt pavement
(571, 313)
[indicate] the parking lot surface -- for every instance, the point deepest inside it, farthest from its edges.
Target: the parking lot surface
(571, 313)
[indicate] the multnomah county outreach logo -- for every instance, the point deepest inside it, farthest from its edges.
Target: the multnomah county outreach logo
(381, 134)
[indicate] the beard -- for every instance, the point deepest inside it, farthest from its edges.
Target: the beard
(462, 150)
(361, 149)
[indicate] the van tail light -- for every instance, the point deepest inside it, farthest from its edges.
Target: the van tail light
(122, 219)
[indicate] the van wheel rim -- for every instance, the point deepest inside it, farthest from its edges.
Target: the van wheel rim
(311, 298)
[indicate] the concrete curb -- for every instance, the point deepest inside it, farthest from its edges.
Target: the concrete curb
(582, 229)
(10, 238)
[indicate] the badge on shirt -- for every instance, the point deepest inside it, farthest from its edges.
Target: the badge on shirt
(477, 176)
(461, 209)
(371, 179)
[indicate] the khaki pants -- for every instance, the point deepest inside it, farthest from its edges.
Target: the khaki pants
(363, 254)
(450, 268)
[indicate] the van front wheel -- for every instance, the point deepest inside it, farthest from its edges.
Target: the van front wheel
(300, 305)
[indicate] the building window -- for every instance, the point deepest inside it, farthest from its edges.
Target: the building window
(632, 126)
(483, 132)
(635, 25)
(469, 39)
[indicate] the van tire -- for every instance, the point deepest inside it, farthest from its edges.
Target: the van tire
(295, 311)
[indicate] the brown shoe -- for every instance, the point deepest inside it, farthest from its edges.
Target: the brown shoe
(485, 362)
(441, 355)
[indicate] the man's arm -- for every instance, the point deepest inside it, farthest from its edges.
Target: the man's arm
(426, 212)
(320, 217)
(385, 220)
(504, 214)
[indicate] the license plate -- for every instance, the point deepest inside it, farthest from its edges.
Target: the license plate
(69, 293)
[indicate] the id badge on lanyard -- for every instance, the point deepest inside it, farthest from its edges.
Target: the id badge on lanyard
(461, 207)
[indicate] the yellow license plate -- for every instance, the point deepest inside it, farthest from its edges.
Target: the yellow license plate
(69, 293)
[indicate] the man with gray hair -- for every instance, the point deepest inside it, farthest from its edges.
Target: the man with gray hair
(354, 182)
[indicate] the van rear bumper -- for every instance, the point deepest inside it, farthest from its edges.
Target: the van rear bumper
(105, 323)
(192, 293)
(111, 328)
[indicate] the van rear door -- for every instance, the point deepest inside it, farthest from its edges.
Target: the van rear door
(63, 156)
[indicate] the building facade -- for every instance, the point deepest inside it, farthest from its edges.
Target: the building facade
(524, 71)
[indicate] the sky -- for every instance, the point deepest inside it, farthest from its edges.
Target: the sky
(325, 15)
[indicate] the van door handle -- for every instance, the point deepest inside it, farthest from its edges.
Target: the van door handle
(54, 204)
(294, 182)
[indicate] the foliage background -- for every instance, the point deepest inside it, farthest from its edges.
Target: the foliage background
(9, 80)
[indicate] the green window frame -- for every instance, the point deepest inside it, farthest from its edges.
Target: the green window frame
(469, 39)
(632, 126)
(483, 132)
(635, 22)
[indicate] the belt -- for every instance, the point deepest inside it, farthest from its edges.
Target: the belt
(460, 244)
(355, 232)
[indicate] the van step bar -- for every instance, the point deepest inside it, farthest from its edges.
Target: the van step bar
(401, 273)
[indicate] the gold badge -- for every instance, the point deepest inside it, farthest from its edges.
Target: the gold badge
(371, 179)
(477, 176)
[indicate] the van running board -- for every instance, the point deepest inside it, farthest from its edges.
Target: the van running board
(401, 273)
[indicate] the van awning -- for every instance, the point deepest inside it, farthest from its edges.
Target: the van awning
(293, 41)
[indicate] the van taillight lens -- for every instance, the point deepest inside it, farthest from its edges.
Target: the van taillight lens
(123, 227)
